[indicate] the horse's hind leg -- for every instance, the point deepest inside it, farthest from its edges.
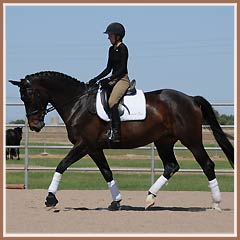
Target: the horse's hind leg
(208, 168)
(171, 166)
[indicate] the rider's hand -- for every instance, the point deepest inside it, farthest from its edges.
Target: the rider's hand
(92, 81)
(104, 82)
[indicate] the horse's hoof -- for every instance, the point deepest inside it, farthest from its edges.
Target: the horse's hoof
(114, 206)
(150, 201)
(51, 200)
(215, 206)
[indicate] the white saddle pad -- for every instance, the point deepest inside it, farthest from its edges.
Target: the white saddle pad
(136, 105)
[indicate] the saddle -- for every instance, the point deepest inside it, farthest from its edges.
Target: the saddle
(105, 94)
(133, 101)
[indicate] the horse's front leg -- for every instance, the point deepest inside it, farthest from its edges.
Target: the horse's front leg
(18, 153)
(7, 153)
(77, 152)
(100, 160)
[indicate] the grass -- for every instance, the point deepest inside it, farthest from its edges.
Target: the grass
(115, 162)
(126, 181)
(133, 181)
(182, 153)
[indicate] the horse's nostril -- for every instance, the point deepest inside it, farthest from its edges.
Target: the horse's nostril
(38, 127)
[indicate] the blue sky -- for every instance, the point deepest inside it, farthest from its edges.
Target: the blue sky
(187, 48)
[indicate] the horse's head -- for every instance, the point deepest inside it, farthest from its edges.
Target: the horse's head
(35, 101)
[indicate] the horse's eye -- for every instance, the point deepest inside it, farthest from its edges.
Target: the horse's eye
(26, 94)
(24, 98)
(29, 91)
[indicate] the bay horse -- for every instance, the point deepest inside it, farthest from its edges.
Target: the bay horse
(170, 116)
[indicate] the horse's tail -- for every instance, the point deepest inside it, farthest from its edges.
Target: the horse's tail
(220, 136)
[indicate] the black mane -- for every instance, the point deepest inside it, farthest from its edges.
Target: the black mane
(52, 74)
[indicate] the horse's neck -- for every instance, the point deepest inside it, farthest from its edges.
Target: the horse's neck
(67, 102)
(64, 93)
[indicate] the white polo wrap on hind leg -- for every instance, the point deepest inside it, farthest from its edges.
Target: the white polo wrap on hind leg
(158, 185)
(55, 182)
(116, 196)
(215, 191)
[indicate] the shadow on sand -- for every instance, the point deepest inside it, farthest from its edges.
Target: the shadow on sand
(142, 209)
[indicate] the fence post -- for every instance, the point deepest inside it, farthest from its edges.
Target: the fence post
(26, 155)
(44, 153)
(152, 164)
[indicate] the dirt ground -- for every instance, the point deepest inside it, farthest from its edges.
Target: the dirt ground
(85, 213)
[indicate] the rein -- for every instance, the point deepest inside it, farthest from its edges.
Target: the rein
(87, 93)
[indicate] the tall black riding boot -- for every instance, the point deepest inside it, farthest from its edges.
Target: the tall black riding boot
(115, 135)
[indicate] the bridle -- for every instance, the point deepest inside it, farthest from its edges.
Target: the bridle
(26, 91)
(45, 111)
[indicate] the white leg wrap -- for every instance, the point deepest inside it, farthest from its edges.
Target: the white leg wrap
(158, 185)
(55, 182)
(116, 196)
(216, 195)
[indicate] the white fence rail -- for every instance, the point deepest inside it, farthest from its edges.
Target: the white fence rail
(26, 168)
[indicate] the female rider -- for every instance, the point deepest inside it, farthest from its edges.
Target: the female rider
(118, 81)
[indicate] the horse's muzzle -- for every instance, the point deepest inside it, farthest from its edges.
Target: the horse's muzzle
(37, 127)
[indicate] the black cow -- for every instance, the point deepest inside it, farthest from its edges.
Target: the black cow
(13, 138)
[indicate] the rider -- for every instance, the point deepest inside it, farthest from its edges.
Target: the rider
(118, 81)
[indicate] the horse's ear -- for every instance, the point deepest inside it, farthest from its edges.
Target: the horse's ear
(16, 83)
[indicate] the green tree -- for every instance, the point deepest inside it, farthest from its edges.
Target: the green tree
(18, 121)
(224, 119)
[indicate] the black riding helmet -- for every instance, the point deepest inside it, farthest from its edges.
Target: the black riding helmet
(116, 28)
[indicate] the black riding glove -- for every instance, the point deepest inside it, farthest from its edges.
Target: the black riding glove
(92, 81)
(104, 82)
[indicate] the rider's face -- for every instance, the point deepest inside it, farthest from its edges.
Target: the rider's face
(112, 38)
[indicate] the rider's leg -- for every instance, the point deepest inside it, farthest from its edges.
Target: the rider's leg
(115, 124)
(117, 93)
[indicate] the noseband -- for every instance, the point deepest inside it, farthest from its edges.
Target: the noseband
(45, 111)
